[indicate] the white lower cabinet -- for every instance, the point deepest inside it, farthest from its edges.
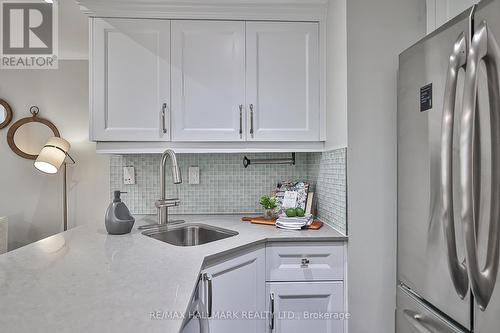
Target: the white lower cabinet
(234, 292)
(236, 295)
(298, 307)
(305, 287)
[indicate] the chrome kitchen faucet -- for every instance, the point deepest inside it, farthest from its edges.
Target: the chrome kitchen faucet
(163, 204)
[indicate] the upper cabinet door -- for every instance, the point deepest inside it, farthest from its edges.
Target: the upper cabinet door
(130, 80)
(208, 81)
(441, 11)
(283, 82)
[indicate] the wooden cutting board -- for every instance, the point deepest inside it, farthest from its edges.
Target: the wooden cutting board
(315, 225)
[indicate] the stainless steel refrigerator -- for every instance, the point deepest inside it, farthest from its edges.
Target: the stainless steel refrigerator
(449, 177)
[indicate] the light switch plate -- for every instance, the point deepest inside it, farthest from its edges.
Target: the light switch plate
(129, 175)
(194, 175)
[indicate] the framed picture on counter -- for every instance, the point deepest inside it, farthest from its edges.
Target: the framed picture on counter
(288, 191)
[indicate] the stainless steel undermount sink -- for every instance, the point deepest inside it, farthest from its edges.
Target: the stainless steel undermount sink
(191, 234)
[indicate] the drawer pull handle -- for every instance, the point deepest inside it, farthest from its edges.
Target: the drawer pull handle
(304, 263)
(271, 321)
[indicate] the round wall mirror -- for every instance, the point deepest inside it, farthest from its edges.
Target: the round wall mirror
(27, 136)
(5, 113)
(31, 137)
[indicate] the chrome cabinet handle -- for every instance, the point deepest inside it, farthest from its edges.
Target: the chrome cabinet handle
(163, 117)
(197, 312)
(197, 308)
(483, 48)
(304, 263)
(208, 278)
(419, 322)
(241, 121)
(271, 319)
(251, 120)
(458, 270)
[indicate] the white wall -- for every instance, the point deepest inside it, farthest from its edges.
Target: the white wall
(377, 31)
(336, 75)
(73, 31)
(33, 201)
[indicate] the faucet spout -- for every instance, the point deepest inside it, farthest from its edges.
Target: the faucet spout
(163, 203)
(176, 172)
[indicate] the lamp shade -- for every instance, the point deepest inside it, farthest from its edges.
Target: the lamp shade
(52, 155)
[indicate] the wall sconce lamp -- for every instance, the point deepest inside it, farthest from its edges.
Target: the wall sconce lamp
(52, 156)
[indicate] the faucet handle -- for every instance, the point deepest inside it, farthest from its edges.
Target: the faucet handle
(167, 203)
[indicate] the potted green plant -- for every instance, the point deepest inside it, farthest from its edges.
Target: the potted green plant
(269, 204)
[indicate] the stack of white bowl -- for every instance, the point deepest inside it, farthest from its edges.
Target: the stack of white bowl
(293, 223)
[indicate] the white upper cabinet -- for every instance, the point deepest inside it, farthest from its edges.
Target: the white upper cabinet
(208, 80)
(282, 81)
(441, 11)
(130, 80)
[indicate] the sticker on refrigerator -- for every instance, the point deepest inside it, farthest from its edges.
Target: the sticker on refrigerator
(426, 97)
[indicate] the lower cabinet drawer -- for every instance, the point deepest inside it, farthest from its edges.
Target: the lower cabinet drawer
(305, 262)
(302, 307)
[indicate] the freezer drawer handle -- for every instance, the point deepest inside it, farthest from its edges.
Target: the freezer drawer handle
(458, 270)
(419, 322)
(483, 48)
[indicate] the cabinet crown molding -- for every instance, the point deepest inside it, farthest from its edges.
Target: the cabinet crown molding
(292, 10)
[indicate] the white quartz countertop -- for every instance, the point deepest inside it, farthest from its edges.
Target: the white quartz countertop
(85, 280)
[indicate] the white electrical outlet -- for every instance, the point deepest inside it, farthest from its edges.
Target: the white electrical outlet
(194, 175)
(129, 175)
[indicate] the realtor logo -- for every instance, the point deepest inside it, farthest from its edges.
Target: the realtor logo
(28, 35)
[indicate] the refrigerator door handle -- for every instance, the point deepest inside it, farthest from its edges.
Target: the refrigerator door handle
(418, 322)
(483, 48)
(458, 270)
